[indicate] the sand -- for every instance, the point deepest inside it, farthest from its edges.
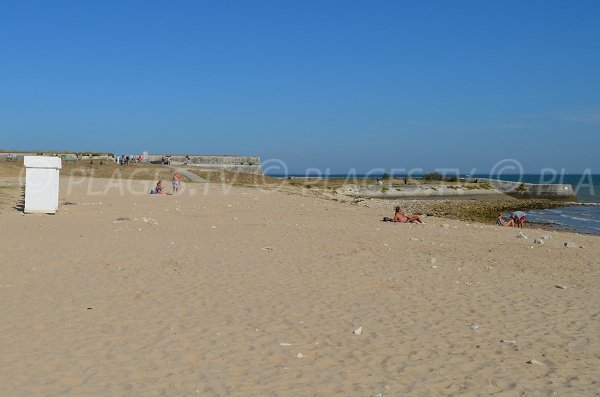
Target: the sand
(220, 290)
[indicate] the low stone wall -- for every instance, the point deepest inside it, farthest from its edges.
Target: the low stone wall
(245, 164)
(246, 169)
(531, 190)
(416, 191)
(67, 156)
(498, 190)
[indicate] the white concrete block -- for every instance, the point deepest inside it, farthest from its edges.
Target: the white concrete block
(42, 176)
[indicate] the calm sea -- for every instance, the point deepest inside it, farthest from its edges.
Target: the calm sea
(584, 217)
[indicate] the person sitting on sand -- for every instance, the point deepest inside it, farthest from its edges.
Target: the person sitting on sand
(158, 189)
(518, 218)
(401, 217)
(501, 222)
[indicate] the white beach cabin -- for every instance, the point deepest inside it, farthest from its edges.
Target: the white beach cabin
(41, 184)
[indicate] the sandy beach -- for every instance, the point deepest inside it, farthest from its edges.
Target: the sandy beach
(242, 291)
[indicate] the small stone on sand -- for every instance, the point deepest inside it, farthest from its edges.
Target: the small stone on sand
(534, 362)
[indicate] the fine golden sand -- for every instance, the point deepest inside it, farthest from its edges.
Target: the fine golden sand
(240, 291)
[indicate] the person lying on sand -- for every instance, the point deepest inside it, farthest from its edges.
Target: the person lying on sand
(401, 217)
(502, 222)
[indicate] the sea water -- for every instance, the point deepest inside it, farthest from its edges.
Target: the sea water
(583, 216)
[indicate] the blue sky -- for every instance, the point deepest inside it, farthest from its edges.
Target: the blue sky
(318, 84)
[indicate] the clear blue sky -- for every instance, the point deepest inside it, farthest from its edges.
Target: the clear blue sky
(326, 84)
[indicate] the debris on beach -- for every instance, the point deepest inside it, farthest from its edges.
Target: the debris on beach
(121, 220)
(285, 344)
(538, 241)
(521, 236)
(535, 362)
(547, 237)
(571, 245)
(445, 226)
(560, 286)
(150, 221)
(508, 341)
(268, 248)
(432, 260)
(414, 239)
(474, 326)
(362, 251)
(98, 203)
(300, 355)
(358, 331)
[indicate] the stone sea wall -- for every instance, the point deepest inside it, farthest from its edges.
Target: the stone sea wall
(245, 164)
(484, 188)
(531, 190)
(68, 156)
(415, 191)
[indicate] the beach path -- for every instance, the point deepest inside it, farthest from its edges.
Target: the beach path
(188, 174)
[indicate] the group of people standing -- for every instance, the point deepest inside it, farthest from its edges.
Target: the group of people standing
(128, 159)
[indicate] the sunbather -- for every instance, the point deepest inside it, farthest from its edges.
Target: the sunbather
(401, 217)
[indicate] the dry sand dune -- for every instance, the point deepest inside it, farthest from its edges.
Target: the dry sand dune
(248, 292)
